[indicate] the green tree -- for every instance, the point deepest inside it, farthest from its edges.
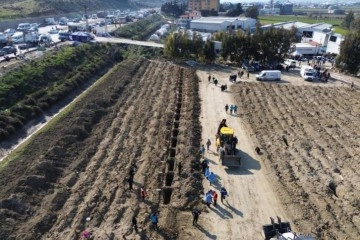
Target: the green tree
(236, 11)
(252, 12)
(355, 25)
(348, 59)
(348, 20)
(208, 52)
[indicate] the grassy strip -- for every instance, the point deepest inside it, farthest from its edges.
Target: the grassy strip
(276, 19)
(141, 29)
(21, 150)
(35, 87)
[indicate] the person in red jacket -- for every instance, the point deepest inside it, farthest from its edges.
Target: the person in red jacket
(215, 197)
(143, 193)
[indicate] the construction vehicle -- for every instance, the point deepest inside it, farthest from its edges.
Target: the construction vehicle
(226, 144)
(282, 231)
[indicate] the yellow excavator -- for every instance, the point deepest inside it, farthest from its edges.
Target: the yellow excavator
(226, 145)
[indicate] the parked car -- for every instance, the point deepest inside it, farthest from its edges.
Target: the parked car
(63, 21)
(34, 27)
(53, 31)
(7, 50)
(24, 46)
(9, 31)
(23, 26)
(3, 38)
(76, 20)
(247, 67)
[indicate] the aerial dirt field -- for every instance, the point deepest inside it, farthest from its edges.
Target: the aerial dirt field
(307, 170)
(72, 175)
(310, 139)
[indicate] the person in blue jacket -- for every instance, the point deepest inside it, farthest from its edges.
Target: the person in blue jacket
(154, 220)
(211, 178)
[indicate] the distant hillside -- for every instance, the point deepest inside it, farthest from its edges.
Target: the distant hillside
(32, 8)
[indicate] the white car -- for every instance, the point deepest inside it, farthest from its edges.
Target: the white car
(54, 31)
(9, 31)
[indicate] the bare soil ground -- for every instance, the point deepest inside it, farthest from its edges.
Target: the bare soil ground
(72, 177)
(155, 114)
(307, 172)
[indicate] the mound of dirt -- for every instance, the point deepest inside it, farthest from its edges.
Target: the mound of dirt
(73, 176)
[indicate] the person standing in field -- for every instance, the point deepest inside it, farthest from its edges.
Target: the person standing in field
(231, 109)
(214, 197)
(134, 222)
(196, 213)
(209, 78)
(208, 143)
(211, 178)
(226, 108)
(154, 221)
(130, 181)
(179, 168)
(202, 151)
(208, 199)
(142, 193)
(223, 194)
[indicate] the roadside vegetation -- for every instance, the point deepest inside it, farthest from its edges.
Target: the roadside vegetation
(35, 87)
(237, 47)
(33, 8)
(141, 29)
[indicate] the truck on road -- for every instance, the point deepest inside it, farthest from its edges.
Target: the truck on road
(307, 73)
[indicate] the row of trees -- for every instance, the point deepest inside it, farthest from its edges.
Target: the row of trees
(270, 46)
(174, 8)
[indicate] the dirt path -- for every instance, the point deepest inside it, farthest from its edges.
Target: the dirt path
(251, 200)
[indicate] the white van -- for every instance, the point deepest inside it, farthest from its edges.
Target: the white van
(23, 26)
(17, 37)
(290, 62)
(269, 75)
(45, 38)
(307, 73)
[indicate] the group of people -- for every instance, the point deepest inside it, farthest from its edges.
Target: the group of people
(215, 81)
(207, 173)
(211, 196)
(232, 109)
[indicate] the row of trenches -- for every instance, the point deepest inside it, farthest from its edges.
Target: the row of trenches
(169, 172)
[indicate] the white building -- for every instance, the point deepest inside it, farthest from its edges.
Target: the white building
(216, 24)
(330, 41)
(317, 33)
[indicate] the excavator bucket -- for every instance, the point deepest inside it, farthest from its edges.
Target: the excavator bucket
(231, 161)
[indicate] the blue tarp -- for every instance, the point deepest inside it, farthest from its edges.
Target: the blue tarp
(80, 37)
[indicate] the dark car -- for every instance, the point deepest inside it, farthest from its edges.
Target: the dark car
(248, 68)
(7, 50)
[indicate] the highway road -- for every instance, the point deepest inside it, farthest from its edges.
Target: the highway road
(99, 29)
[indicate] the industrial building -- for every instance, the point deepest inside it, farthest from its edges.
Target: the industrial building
(285, 8)
(317, 33)
(216, 24)
(199, 5)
